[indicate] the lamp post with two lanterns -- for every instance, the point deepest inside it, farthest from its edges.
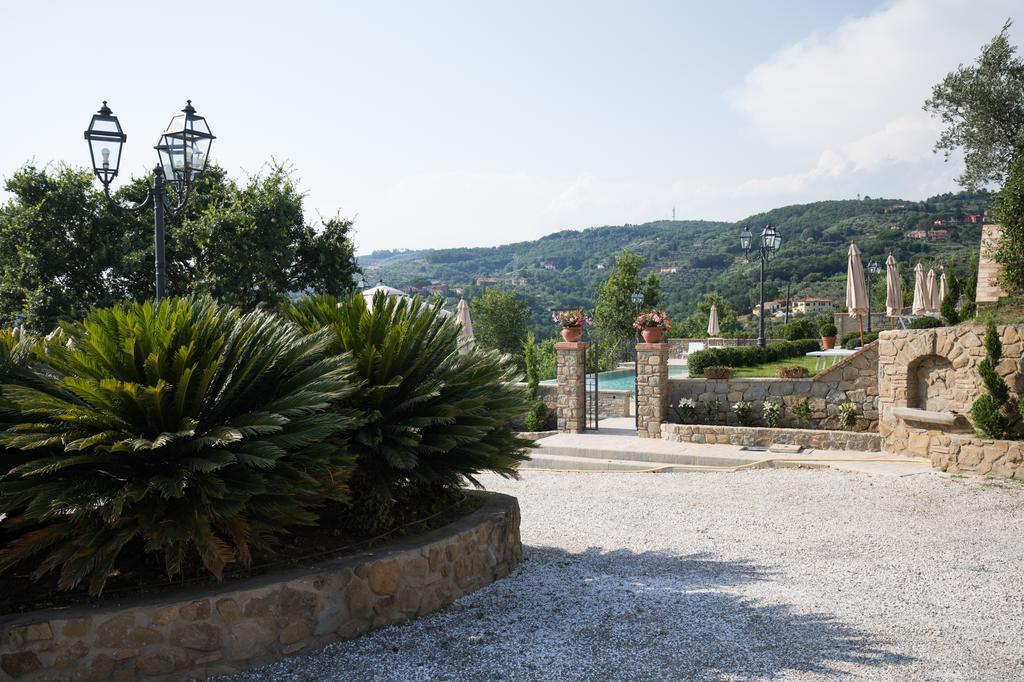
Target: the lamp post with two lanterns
(771, 239)
(872, 271)
(183, 152)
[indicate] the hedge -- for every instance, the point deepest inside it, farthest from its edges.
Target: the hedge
(749, 356)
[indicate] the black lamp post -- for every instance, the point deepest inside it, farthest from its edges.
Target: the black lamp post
(870, 272)
(771, 239)
(183, 151)
(637, 299)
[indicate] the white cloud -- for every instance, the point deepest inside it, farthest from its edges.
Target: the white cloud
(853, 95)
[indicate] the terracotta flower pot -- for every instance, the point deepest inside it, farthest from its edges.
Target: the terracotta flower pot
(828, 342)
(652, 334)
(572, 334)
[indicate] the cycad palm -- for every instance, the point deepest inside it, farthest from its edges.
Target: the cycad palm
(434, 417)
(189, 429)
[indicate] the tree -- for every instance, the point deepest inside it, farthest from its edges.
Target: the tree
(615, 311)
(949, 302)
(63, 249)
(499, 321)
(1009, 211)
(326, 260)
(982, 109)
(696, 325)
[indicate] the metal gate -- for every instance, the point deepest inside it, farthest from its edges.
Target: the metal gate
(590, 388)
(636, 385)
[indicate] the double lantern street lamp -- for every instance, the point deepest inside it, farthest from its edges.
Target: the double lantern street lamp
(637, 298)
(183, 152)
(872, 271)
(771, 239)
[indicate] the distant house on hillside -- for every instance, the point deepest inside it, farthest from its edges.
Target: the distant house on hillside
(599, 266)
(895, 226)
(770, 308)
(974, 218)
(548, 265)
(436, 289)
(668, 268)
(811, 305)
(927, 234)
(511, 281)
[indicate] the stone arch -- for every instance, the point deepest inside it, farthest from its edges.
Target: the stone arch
(932, 384)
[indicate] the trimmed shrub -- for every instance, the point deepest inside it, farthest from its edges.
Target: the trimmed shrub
(537, 417)
(827, 329)
(792, 372)
(802, 411)
(434, 418)
(748, 356)
(716, 372)
(926, 322)
(712, 411)
(989, 412)
(186, 434)
(852, 340)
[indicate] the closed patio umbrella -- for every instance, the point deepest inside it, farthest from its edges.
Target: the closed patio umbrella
(466, 341)
(856, 292)
(920, 292)
(713, 321)
(932, 293)
(893, 288)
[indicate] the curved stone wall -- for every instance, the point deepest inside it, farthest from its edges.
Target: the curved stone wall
(236, 626)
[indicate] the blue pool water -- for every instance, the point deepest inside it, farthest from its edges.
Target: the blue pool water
(624, 379)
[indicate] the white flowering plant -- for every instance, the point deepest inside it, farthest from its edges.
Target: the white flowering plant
(771, 413)
(686, 410)
(743, 410)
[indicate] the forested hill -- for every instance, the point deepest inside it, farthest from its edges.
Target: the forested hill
(565, 268)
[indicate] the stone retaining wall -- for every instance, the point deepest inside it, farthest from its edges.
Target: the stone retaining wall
(234, 627)
(956, 453)
(854, 379)
(937, 370)
(754, 435)
(610, 403)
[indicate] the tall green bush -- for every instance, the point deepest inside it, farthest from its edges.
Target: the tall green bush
(185, 433)
(434, 417)
(989, 413)
(952, 297)
(1009, 211)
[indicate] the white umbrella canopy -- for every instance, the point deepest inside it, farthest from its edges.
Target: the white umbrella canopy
(920, 292)
(713, 329)
(856, 292)
(390, 292)
(384, 290)
(931, 293)
(893, 288)
(466, 341)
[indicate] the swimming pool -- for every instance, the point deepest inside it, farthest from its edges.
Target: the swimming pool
(624, 379)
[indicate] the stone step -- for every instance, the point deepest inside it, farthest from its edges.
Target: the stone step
(656, 454)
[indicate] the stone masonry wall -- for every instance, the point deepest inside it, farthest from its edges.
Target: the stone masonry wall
(234, 627)
(652, 388)
(752, 435)
(937, 370)
(854, 379)
(571, 374)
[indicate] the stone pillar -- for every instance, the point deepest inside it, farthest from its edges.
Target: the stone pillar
(652, 388)
(572, 407)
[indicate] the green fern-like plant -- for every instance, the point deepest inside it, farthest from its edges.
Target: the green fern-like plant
(434, 417)
(186, 432)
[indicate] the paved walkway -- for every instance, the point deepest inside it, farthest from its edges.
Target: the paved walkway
(758, 575)
(616, 447)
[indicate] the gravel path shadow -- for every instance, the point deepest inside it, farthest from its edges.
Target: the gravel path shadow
(603, 615)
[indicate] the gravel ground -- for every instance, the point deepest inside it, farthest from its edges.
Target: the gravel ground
(773, 574)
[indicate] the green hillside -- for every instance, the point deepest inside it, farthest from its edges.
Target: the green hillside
(565, 268)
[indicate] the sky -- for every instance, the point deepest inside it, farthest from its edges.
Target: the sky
(468, 123)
